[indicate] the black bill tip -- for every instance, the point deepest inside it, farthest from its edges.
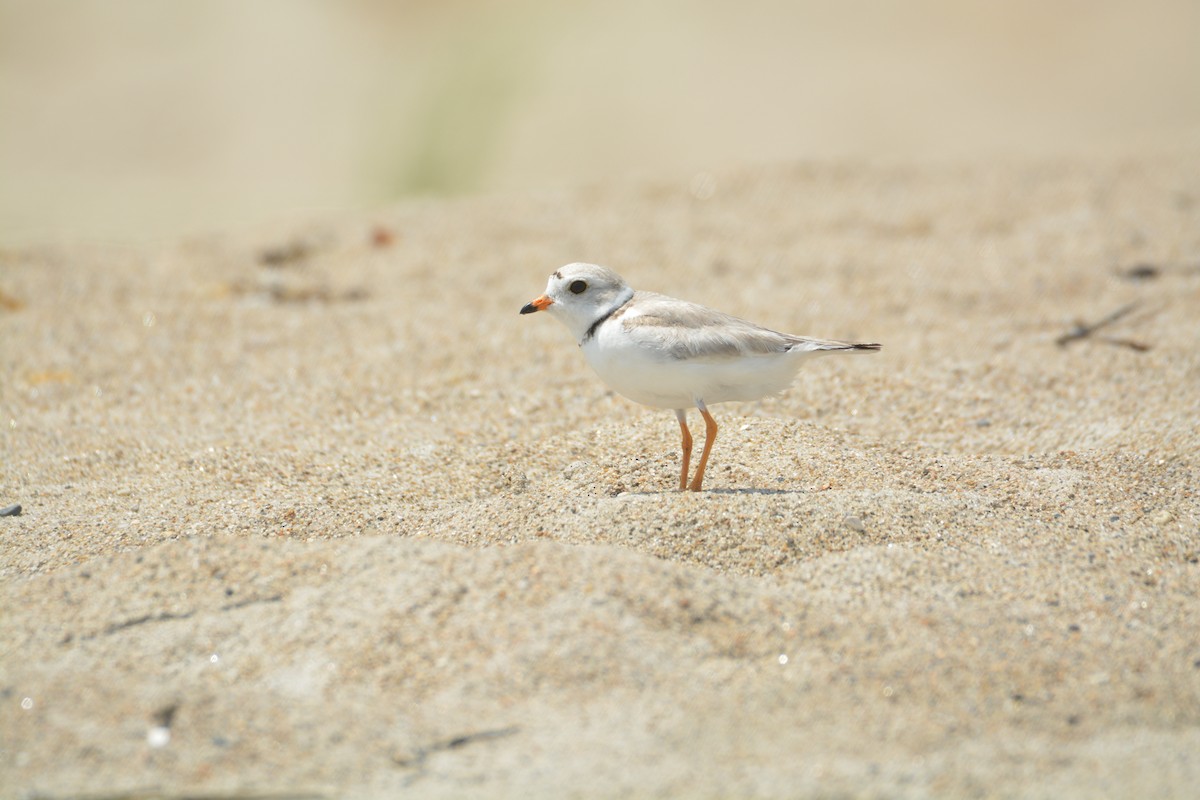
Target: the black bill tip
(528, 308)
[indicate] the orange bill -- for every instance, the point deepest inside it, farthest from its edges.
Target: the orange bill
(540, 304)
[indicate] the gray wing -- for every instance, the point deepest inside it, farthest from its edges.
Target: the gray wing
(686, 330)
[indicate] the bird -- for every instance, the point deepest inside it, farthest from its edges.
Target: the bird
(673, 354)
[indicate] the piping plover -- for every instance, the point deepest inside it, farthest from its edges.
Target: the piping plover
(668, 353)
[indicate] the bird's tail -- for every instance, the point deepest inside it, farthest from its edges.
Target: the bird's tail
(803, 345)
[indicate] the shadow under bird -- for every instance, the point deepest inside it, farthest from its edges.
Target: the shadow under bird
(668, 353)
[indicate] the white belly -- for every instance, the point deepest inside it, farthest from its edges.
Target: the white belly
(659, 380)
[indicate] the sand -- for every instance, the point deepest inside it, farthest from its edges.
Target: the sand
(312, 511)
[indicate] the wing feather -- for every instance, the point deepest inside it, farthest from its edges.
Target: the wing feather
(688, 331)
(684, 330)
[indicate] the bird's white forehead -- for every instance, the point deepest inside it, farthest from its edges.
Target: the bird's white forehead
(579, 269)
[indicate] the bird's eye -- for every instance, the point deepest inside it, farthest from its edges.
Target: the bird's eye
(578, 287)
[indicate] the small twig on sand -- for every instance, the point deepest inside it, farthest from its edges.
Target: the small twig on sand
(418, 756)
(1083, 330)
(1141, 272)
(1141, 347)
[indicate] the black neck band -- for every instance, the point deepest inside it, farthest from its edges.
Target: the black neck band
(600, 320)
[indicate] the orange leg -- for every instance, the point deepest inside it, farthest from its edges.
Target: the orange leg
(710, 434)
(687, 447)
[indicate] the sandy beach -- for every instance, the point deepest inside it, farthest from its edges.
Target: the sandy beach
(310, 511)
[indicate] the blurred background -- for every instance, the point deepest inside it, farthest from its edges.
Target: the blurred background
(128, 120)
